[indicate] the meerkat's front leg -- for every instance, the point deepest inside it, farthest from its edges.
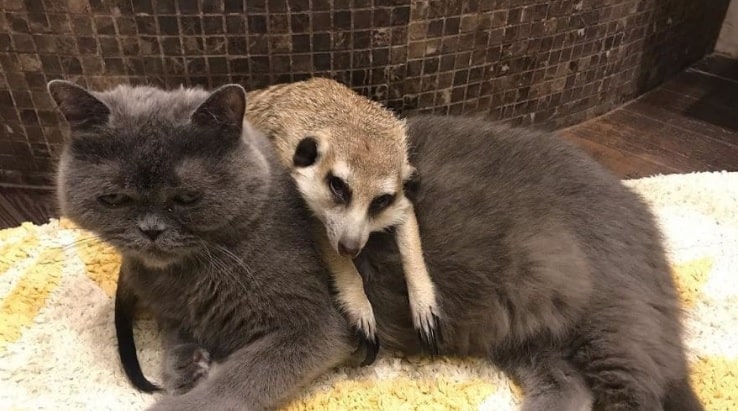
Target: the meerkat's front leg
(420, 288)
(353, 299)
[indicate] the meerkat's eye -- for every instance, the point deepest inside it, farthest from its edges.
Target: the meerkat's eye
(380, 203)
(306, 152)
(339, 189)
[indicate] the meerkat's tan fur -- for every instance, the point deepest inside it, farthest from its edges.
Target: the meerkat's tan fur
(363, 144)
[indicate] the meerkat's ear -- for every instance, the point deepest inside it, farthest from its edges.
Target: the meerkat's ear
(411, 183)
(306, 152)
(81, 109)
(224, 108)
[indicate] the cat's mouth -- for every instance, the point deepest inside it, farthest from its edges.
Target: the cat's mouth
(155, 256)
(157, 250)
(154, 251)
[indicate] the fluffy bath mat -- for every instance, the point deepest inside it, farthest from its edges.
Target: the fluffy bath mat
(57, 344)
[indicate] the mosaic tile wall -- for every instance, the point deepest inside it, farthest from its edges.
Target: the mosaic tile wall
(552, 63)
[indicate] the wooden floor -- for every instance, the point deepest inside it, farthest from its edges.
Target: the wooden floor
(690, 123)
(20, 204)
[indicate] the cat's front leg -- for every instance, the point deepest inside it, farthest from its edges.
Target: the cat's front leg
(185, 363)
(267, 373)
(550, 382)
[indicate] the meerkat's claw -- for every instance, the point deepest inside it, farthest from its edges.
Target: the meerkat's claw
(370, 344)
(429, 332)
(361, 316)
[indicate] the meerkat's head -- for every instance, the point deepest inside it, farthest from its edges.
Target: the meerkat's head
(352, 179)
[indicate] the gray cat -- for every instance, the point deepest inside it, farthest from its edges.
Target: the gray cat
(214, 238)
(544, 263)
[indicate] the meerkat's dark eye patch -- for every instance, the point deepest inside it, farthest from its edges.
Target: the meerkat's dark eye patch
(306, 152)
(380, 203)
(340, 190)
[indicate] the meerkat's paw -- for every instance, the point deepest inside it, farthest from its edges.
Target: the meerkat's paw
(185, 365)
(426, 320)
(361, 315)
(369, 344)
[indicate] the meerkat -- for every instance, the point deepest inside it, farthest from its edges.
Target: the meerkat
(349, 158)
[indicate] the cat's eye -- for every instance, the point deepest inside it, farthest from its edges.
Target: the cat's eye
(114, 200)
(339, 189)
(380, 203)
(187, 198)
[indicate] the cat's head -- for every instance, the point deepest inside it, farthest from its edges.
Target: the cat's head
(158, 174)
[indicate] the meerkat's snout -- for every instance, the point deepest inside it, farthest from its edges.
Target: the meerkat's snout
(350, 231)
(349, 247)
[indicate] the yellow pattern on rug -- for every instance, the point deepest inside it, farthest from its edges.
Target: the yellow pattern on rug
(690, 277)
(28, 297)
(102, 263)
(716, 381)
(16, 249)
(400, 393)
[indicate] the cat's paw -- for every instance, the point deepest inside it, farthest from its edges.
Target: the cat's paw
(427, 323)
(185, 365)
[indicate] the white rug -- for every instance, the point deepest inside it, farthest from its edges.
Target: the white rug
(57, 341)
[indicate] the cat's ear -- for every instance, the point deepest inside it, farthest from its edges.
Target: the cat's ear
(224, 108)
(80, 108)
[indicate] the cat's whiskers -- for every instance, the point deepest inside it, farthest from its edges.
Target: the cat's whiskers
(223, 268)
(80, 243)
(235, 259)
(215, 262)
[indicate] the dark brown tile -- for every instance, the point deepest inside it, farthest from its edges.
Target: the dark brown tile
(142, 6)
(168, 25)
(212, 25)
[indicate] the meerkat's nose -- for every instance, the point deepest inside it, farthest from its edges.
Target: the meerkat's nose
(349, 248)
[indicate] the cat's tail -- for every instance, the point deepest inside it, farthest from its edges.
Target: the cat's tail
(124, 307)
(680, 396)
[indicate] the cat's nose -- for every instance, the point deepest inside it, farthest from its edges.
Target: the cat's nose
(153, 234)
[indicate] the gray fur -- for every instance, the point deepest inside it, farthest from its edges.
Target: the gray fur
(233, 279)
(544, 263)
(185, 364)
